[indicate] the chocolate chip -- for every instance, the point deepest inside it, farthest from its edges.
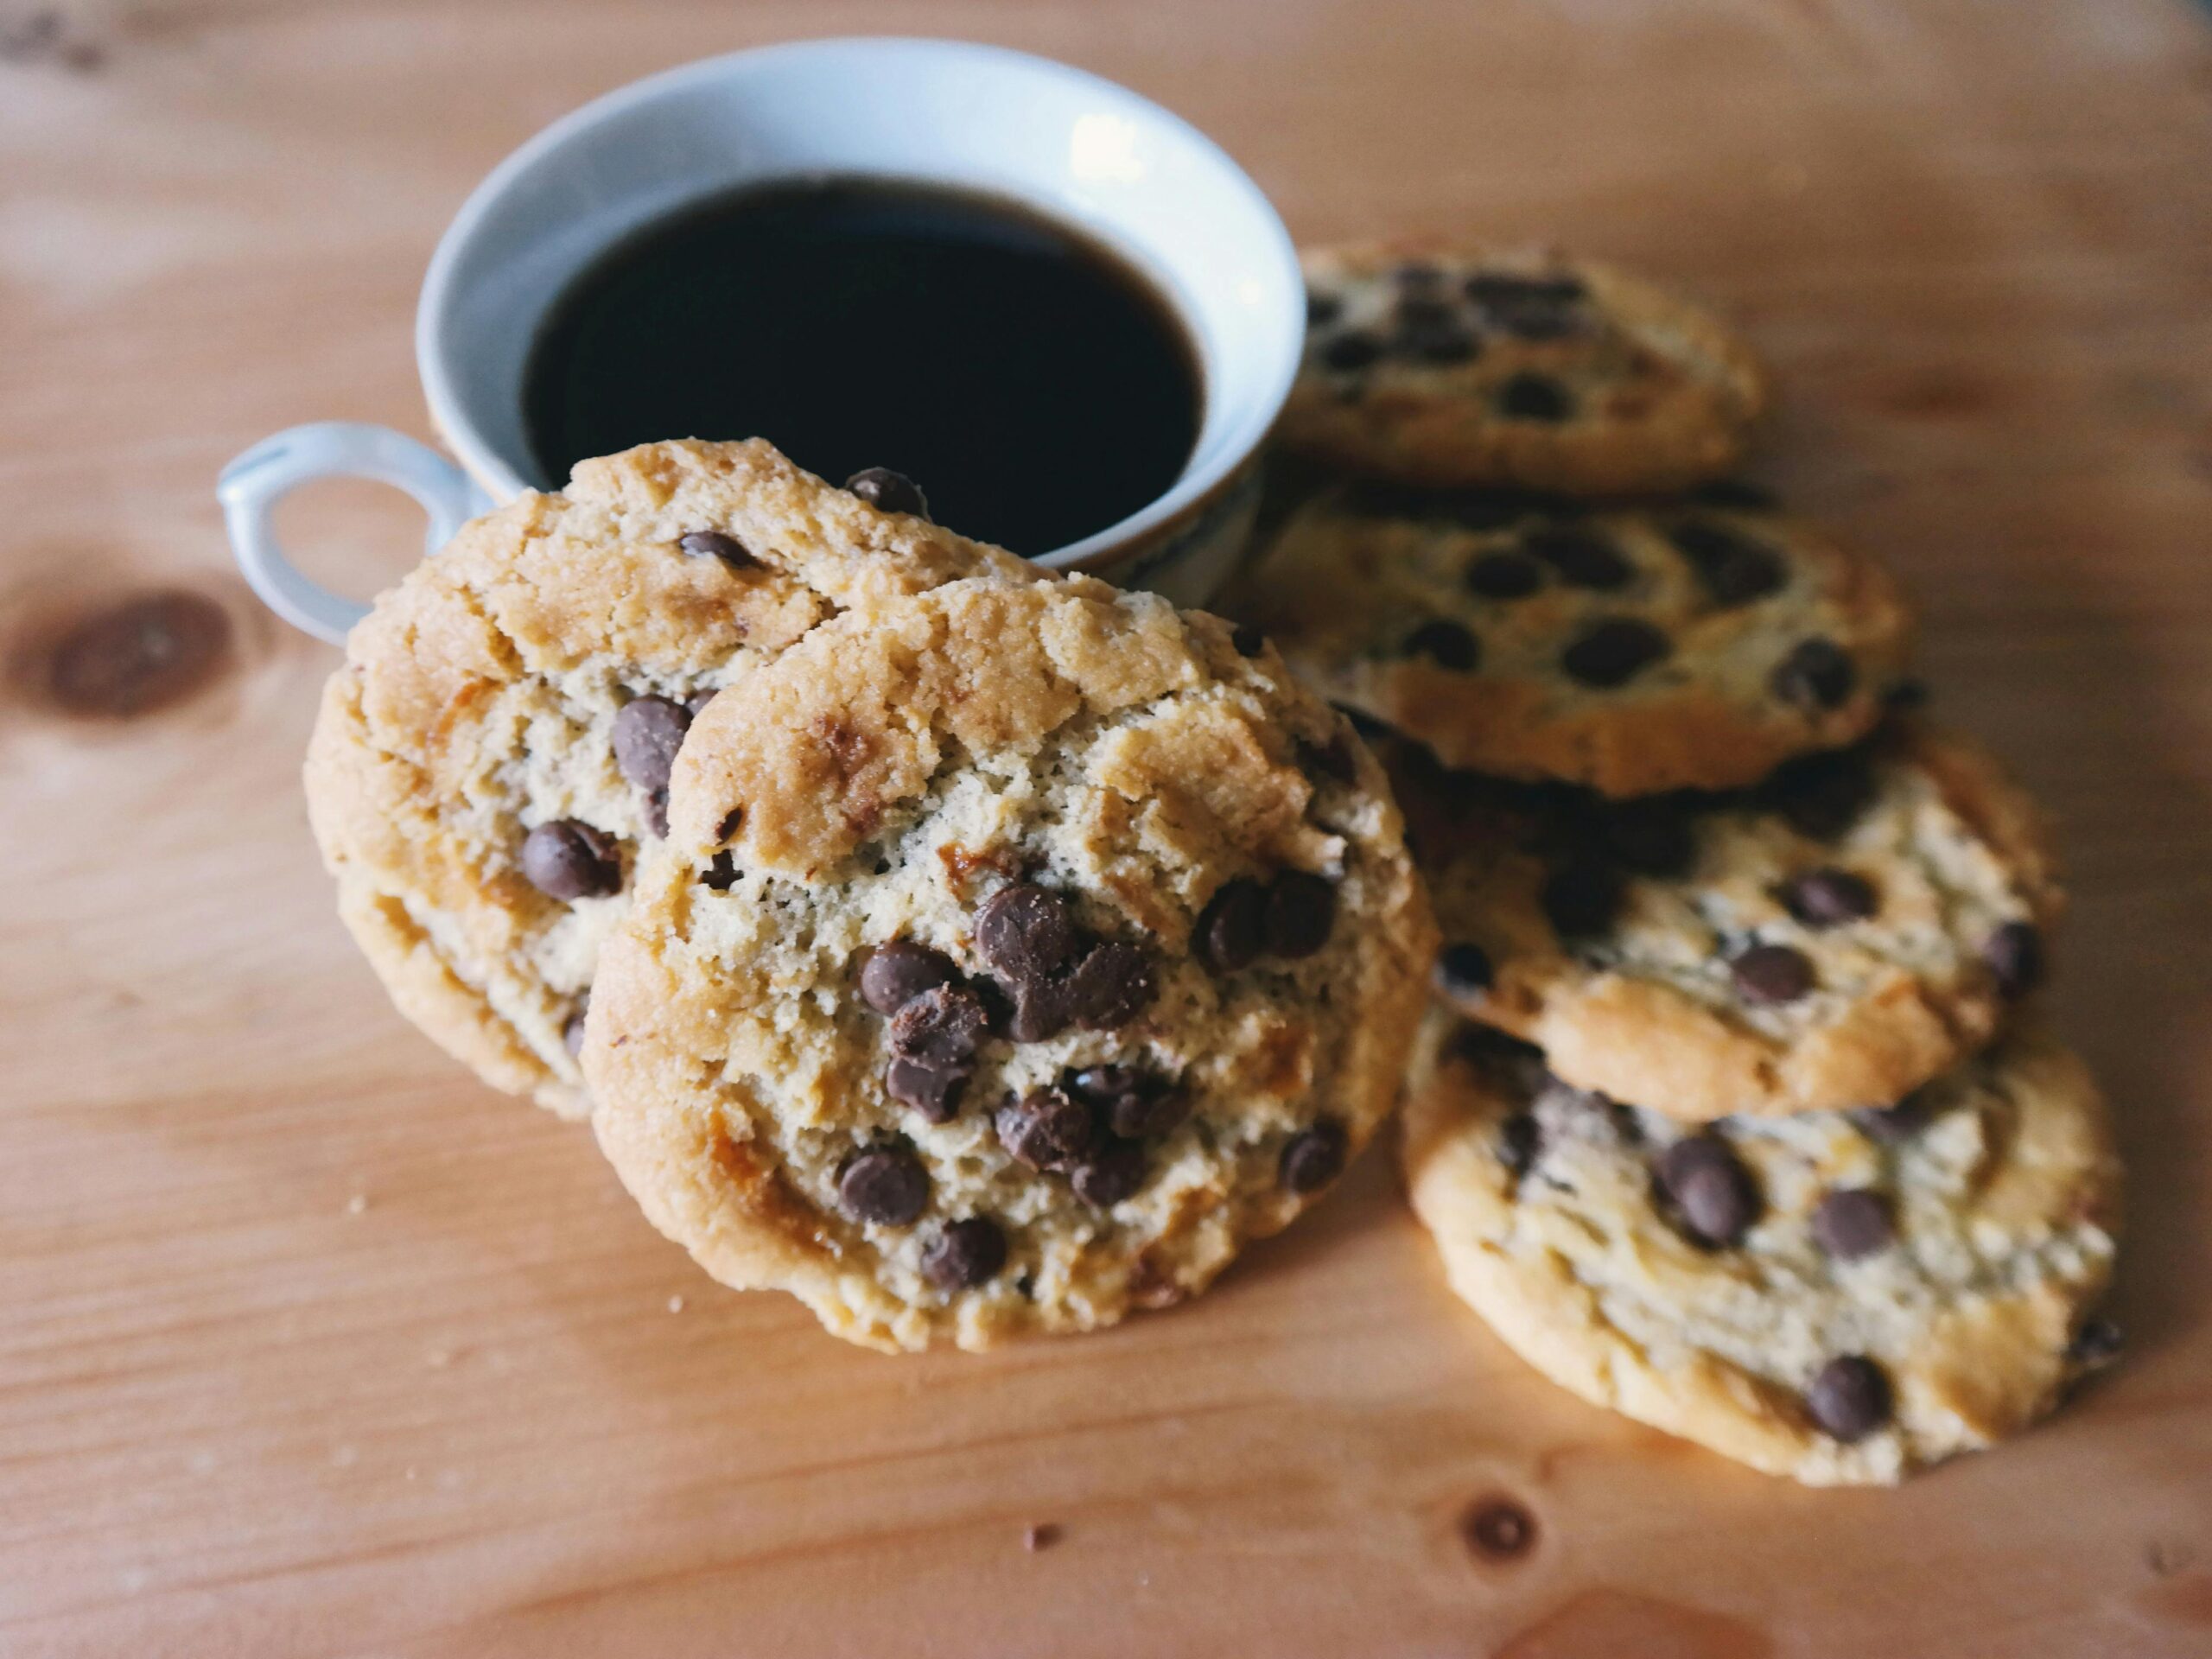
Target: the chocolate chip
(887, 1185)
(1430, 331)
(1852, 1221)
(1314, 1157)
(1300, 912)
(1461, 971)
(1528, 396)
(1499, 289)
(1026, 933)
(1440, 347)
(1039, 1014)
(1734, 569)
(1820, 796)
(1768, 975)
(1503, 575)
(1107, 1178)
(1147, 1115)
(1816, 674)
(1581, 899)
(1520, 1143)
(1655, 838)
(1134, 1105)
(889, 491)
(1112, 985)
(898, 971)
(696, 704)
(1232, 929)
(2014, 954)
(1529, 308)
(1247, 639)
(1419, 275)
(1100, 1085)
(728, 549)
(1613, 652)
(1827, 897)
(568, 859)
(1425, 311)
(931, 1090)
(572, 1034)
(2099, 1342)
(647, 734)
(1349, 353)
(652, 807)
(968, 1253)
(1712, 1194)
(1446, 644)
(1894, 1125)
(1046, 1128)
(1849, 1399)
(720, 874)
(1322, 309)
(940, 1027)
(1583, 557)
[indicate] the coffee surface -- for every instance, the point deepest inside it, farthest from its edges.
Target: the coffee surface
(1035, 384)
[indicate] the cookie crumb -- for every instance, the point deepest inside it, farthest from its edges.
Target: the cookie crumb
(1041, 1535)
(358, 1204)
(676, 1304)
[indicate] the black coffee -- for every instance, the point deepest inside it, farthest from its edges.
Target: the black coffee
(1034, 385)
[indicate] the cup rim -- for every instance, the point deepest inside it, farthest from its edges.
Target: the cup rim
(1192, 488)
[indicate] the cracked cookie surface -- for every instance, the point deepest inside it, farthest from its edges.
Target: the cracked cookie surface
(1013, 958)
(1455, 366)
(1839, 1297)
(1856, 923)
(492, 756)
(1689, 644)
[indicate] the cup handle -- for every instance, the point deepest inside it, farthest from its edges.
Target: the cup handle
(254, 482)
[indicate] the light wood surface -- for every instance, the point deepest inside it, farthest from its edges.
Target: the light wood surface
(311, 1346)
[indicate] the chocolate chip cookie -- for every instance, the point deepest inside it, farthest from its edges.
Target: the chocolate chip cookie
(1841, 1297)
(494, 752)
(1694, 645)
(1856, 923)
(1017, 952)
(1451, 366)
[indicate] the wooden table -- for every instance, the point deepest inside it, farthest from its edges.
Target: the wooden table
(309, 1345)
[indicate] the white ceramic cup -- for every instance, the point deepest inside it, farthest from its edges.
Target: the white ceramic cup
(1093, 154)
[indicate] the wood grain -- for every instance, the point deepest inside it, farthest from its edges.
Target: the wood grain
(309, 1346)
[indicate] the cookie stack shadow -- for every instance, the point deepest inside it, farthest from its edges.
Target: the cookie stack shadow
(1735, 1112)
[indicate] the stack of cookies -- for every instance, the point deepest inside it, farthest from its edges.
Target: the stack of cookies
(973, 951)
(1733, 1112)
(965, 949)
